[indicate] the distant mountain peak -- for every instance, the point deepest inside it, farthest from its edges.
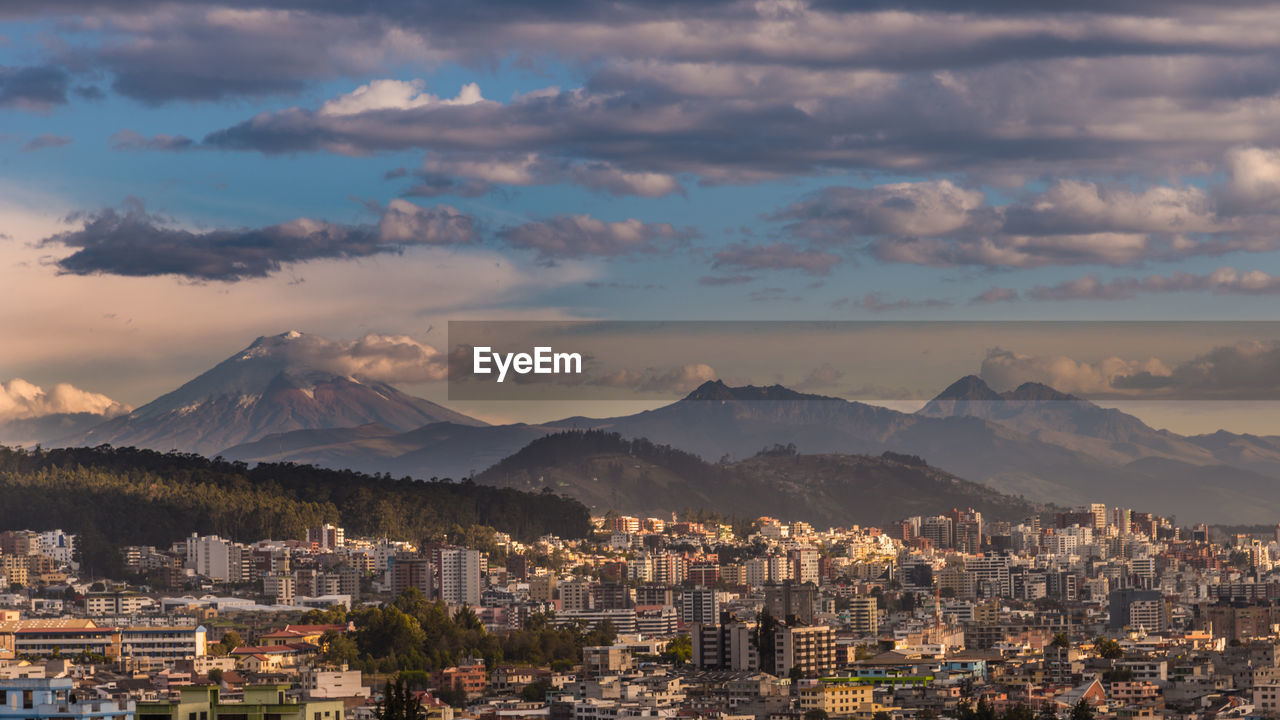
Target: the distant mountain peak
(1036, 392)
(278, 384)
(969, 387)
(716, 390)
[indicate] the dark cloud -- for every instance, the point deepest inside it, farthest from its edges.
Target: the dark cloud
(582, 236)
(36, 87)
(1245, 371)
(133, 242)
(132, 140)
(775, 256)
(46, 141)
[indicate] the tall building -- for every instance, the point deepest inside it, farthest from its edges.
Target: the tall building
(405, 571)
(699, 605)
(575, 595)
(1134, 608)
(218, 559)
(864, 615)
(937, 530)
(458, 573)
(809, 648)
(804, 564)
(791, 602)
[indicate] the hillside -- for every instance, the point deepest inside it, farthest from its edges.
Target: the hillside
(606, 471)
(116, 497)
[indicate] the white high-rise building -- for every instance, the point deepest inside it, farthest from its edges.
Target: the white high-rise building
(459, 572)
(216, 558)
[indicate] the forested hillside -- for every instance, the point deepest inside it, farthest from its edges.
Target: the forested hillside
(124, 496)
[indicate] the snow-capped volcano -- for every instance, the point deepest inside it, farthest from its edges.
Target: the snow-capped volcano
(292, 381)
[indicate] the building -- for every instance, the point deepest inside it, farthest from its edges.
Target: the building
(458, 573)
(1133, 608)
(809, 648)
(837, 699)
(203, 702)
(162, 643)
(864, 615)
(699, 605)
(790, 601)
(602, 660)
(406, 571)
(218, 559)
(326, 537)
(116, 603)
(41, 698)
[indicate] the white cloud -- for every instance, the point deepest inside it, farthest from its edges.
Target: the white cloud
(395, 95)
(20, 399)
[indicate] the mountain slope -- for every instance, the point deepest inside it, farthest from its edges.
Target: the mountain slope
(1064, 420)
(261, 390)
(446, 450)
(124, 496)
(605, 471)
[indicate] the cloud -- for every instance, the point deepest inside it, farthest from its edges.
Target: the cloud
(373, 357)
(1223, 281)
(475, 174)
(1005, 370)
(1248, 370)
(125, 140)
(875, 302)
(46, 141)
(395, 95)
(994, 295)
(822, 377)
(582, 236)
(20, 399)
(775, 256)
(1071, 222)
(409, 224)
(1245, 371)
(840, 214)
(133, 242)
(34, 87)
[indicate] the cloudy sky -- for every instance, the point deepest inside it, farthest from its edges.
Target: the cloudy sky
(177, 179)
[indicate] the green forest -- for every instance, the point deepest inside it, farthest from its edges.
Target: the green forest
(112, 497)
(413, 635)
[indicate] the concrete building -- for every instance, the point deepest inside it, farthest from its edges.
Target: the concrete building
(48, 698)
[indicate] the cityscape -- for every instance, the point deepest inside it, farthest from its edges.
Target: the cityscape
(639, 360)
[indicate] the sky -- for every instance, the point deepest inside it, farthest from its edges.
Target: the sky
(177, 179)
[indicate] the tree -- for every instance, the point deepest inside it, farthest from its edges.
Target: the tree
(1108, 648)
(398, 703)
(1082, 711)
(215, 676)
(232, 640)
(816, 714)
(1047, 712)
(536, 691)
(1060, 640)
(679, 651)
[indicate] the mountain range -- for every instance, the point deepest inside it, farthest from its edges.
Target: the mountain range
(265, 405)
